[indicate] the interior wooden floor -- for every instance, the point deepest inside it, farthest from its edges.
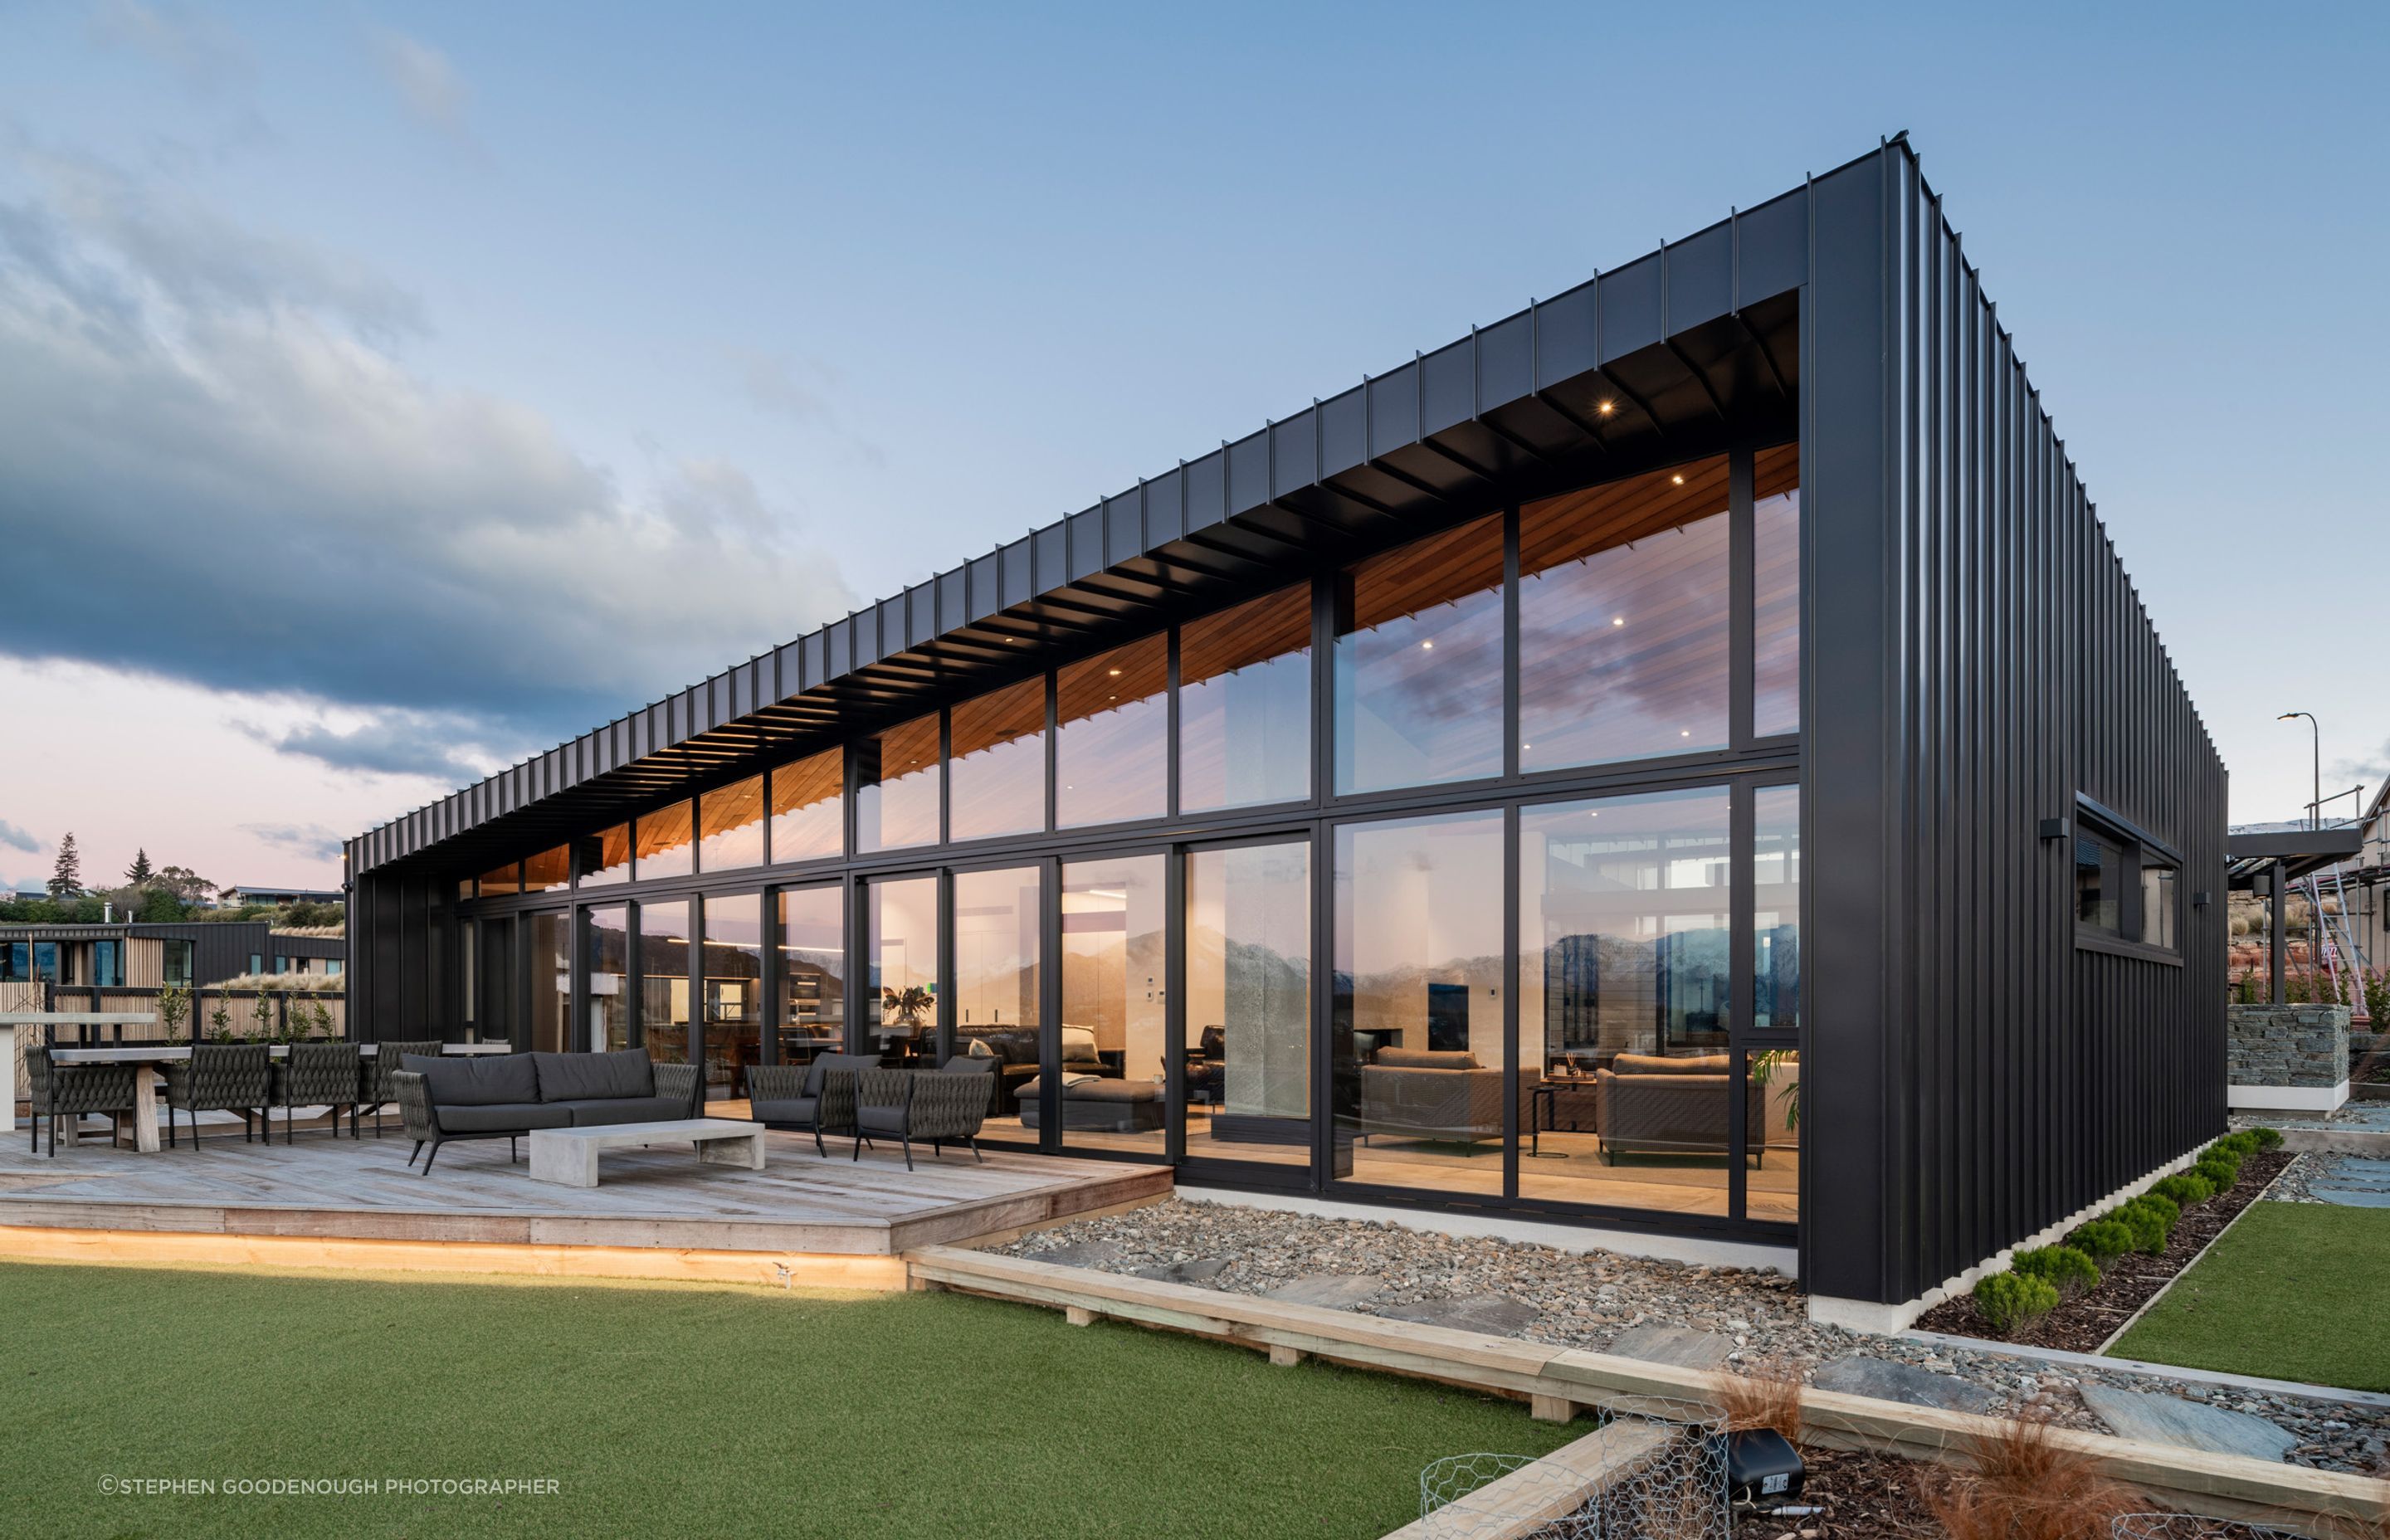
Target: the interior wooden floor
(328, 1187)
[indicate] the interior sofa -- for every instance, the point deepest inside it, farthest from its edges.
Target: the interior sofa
(1433, 1094)
(507, 1096)
(1647, 1104)
(1098, 1104)
(1015, 1050)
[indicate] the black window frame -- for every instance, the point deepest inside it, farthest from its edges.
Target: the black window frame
(2142, 850)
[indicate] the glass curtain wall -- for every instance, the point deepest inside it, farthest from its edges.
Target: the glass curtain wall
(605, 857)
(998, 920)
(1776, 563)
(549, 870)
(663, 980)
(547, 967)
(1414, 1011)
(996, 768)
(808, 824)
(730, 826)
(1248, 1016)
(664, 843)
(606, 972)
(1113, 998)
(731, 972)
(1625, 919)
(813, 972)
(1622, 620)
(1111, 738)
(1773, 1188)
(1419, 662)
(896, 786)
(1245, 704)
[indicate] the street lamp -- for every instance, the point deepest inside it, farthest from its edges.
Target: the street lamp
(2315, 809)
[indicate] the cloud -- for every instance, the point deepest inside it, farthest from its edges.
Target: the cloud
(199, 50)
(17, 839)
(2370, 768)
(311, 841)
(214, 467)
(431, 90)
(445, 746)
(772, 382)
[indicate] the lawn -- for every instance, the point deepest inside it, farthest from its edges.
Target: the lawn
(2289, 1293)
(681, 1409)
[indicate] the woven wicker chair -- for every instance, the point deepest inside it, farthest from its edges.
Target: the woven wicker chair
(73, 1091)
(374, 1089)
(221, 1077)
(813, 1098)
(913, 1104)
(317, 1074)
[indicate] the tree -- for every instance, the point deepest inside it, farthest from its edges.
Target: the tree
(65, 879)
(184, 883)
(138, 874)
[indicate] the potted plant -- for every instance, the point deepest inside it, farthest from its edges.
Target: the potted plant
(1765, 1068)
(220, 1021)
(173, 1009)
(904, 1007)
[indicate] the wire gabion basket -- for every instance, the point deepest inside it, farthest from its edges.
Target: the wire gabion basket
(1652, 1472)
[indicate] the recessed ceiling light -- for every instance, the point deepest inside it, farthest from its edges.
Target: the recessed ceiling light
(1687, 733)
(1618, 620)
(1607, 407)
(1678, 479)
(1427, 646)
(1114, 673)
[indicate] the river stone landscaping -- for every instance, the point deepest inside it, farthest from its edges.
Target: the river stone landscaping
(1599, 1300)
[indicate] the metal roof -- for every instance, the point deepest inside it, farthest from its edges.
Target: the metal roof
(2251, 853)
(1689, 346)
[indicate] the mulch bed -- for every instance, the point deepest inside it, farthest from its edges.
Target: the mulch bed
(2081, 1325)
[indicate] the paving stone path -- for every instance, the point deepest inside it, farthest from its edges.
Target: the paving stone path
(1887, 1379)
(1328, 1291)
(2188, 1424)
(1495, 1314)
(1673, 1344)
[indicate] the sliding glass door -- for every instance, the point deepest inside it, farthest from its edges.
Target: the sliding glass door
(1247, 931)
(1114, 1039)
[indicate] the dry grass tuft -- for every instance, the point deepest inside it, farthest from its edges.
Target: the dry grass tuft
(1766, 1394)
(2025, 1485)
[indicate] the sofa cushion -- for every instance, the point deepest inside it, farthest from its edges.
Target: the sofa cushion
(597, 1109)
(1090, 1088)
(880, 1119)
(502, 1116)
(785, 1110)
(1425, 1059)
(1660, 1064)
(482, 1080)
(589, 1077)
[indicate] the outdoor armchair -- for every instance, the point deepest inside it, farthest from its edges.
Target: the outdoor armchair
(317, 1074)
(72, 1090)
(374, 1091)
(909, 1105)
(817, 1098)
(221, 1077)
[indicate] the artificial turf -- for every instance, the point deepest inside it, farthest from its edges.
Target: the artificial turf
(664, 1409)
(2286, 1294)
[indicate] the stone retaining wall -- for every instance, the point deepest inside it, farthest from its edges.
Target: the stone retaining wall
(2302, 1051)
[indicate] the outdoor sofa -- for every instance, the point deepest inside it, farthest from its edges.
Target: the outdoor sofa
(507, 1096)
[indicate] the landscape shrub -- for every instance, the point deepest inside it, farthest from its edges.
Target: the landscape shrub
(2183, 1188)
(2221, 1174)
(2225, 1149)
(2012, 1301)
(2244, 1144)
(2103, 1241)
(2151, 1220)
(2064, 1268)
(2267, 1138)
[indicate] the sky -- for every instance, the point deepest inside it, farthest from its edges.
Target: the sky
(388, 393)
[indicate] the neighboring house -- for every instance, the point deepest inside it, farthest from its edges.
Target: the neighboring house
(233, 898)
(1407, 804)
(135, 955)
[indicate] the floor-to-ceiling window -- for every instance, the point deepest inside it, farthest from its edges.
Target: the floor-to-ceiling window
(900, 1012)
(663, 980)
(606, 973)
(813, 971)
(1113, 998)
(1248, 1014)
(1773, 1065)
(731, 972)
(547, 974)
(998, 920)
(1625, 916)
(1415, 1009)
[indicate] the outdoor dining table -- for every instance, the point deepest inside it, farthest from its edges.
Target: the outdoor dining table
(152, 1054)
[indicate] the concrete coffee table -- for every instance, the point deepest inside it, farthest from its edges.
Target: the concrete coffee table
(570, 1155)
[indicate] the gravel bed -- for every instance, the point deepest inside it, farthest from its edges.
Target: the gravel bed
(2297, 1183)
(1587, 1298)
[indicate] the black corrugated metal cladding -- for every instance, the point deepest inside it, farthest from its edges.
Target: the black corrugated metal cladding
(1977, 659)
